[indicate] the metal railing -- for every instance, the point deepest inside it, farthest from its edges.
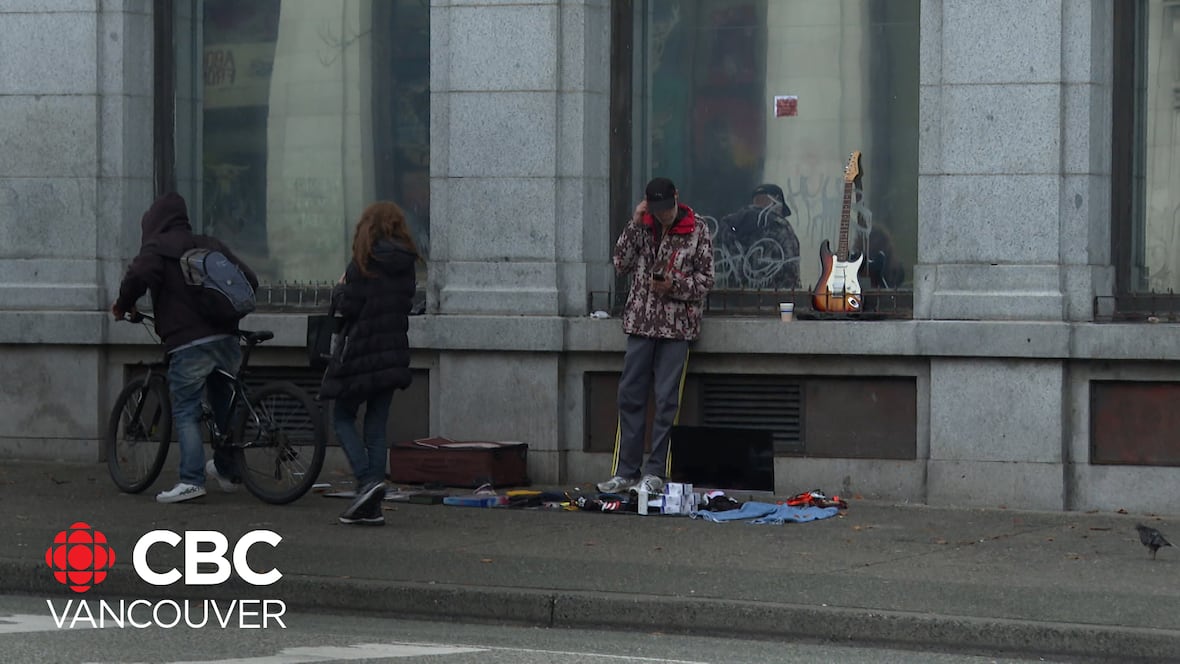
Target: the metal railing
(877, 304)
(1150, 307)
(283, 296)
(305, 296)
(896, 304)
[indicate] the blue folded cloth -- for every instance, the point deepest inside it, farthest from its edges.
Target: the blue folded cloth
(769, 513)
(750, 510)
(786, 513)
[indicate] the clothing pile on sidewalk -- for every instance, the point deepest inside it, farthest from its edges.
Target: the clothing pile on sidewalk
(800, 508)
(718, 507)
(675, 500)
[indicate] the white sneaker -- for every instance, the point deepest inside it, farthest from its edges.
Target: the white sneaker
(227, 485)
(180, 493)
(616, 484)
(650, 483)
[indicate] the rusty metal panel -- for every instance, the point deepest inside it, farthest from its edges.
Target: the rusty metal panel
(861, 417)
(1135, 423)
(601, 411)
(409, 414)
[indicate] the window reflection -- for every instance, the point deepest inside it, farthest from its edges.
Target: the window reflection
(1157, 264)
(708, 72)
(302, 113)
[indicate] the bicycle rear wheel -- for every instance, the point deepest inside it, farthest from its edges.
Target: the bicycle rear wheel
(138, 434)
(280, 447)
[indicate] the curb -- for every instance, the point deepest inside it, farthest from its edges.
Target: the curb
(618, 611)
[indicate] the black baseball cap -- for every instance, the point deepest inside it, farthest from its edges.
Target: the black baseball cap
(660, 195)
(775, 192)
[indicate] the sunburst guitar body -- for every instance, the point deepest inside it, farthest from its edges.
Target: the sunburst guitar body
(838, 290)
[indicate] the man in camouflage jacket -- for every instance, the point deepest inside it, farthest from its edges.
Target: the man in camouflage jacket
(668, 252)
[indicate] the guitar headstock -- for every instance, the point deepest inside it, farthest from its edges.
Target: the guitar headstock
(852, 170)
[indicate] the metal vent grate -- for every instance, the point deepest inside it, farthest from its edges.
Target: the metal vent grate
(769, 403)
(305, 378)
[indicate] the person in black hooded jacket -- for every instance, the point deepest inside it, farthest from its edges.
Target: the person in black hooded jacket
(757, 246)
(196, 346)
(374, 298)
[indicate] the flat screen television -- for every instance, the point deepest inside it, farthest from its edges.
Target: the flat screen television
(723, 458)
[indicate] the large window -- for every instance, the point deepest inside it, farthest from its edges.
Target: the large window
(1146, 167)
(292, 116)
(697, 104)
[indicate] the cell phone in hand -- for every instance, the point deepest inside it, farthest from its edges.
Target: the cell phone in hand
(657, 276)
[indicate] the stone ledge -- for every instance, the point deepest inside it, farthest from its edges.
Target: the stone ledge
(720, 335)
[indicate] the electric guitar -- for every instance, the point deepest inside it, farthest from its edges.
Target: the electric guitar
(837, 289)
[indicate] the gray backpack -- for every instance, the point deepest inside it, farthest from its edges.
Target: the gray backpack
(220, 288)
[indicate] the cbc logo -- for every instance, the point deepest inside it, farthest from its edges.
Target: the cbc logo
(193, 556)
(81, 556)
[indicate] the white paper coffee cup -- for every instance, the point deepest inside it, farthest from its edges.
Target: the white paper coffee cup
(786, 311)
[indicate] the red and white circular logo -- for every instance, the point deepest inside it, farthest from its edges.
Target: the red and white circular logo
(80, 557)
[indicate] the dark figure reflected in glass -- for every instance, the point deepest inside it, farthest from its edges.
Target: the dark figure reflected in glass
(756, 247)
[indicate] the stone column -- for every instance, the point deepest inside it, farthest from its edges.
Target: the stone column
(1015, 226)
(519, 103)
(519, 228)
(75, 176)
(1014, 160)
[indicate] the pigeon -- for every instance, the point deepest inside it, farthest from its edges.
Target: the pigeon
(1151, 539)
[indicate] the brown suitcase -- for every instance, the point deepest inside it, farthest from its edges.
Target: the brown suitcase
(463, 463)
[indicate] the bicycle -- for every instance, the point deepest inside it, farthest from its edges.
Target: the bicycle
(276, 431)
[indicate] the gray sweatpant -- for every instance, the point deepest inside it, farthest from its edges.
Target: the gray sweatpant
(657, 365)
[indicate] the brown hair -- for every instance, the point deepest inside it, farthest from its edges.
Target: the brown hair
(383, 219)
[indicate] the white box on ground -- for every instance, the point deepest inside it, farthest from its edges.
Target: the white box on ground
(677, 498)
(671, 504)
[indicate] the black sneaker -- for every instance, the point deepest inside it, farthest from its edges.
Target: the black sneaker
(365, 515)
(367, 502)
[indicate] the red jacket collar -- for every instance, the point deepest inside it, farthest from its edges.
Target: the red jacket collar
(684, 224)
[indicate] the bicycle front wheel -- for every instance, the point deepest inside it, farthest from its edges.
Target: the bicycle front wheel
(138, 434)
(280, 445)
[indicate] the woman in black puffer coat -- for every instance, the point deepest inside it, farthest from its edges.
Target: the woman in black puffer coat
(374, 297)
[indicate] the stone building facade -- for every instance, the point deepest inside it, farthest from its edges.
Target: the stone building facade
(1029, 364)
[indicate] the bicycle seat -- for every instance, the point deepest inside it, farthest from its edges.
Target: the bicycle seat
(254, 338)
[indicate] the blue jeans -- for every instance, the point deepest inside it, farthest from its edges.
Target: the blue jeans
(188, 370)
(367, 457)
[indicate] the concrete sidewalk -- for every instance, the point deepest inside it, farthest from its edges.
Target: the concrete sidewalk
(984, 580)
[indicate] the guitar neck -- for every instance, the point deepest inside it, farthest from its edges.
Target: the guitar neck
(842, 247)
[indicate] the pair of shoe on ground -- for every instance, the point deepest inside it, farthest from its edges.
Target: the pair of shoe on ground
(184, 491)
(618, 484)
